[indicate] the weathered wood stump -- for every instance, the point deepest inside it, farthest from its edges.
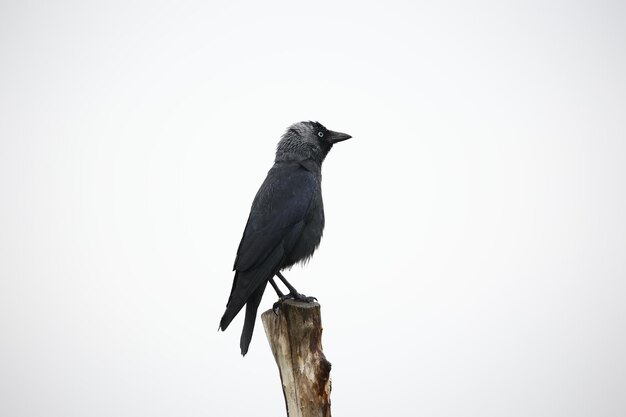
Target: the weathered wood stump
(295, 336)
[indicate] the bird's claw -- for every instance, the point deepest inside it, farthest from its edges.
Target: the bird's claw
(276, 307)
(307, 299)
(292, 296)
(299, 297)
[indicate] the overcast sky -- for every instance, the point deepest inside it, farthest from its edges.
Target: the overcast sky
(474, 256)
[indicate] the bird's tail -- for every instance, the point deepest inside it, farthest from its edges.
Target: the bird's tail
(232, 306)
(242, 292)
(246, 283)
(248, 326)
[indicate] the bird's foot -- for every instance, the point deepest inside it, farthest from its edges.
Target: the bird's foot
(292, 296)
(297, 297)
(276, 306)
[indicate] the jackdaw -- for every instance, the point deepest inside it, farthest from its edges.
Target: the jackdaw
(285, 223)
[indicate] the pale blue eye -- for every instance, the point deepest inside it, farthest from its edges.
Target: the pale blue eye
(320, 134)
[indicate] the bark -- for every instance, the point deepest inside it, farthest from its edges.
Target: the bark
(295, 336)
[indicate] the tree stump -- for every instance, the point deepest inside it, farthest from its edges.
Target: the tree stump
(295, 336)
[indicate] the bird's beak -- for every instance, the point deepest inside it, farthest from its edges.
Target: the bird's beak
(335, 137)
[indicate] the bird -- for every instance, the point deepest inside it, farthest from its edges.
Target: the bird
(285, 224)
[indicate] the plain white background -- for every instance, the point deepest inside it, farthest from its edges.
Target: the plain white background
(474, 257)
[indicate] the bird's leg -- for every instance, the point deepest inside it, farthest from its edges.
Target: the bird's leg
(291, 288)
(293, 293)
(278, 291)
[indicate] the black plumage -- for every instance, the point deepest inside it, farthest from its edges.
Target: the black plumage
(285, 224)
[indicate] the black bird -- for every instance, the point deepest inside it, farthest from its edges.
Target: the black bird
(285, 223)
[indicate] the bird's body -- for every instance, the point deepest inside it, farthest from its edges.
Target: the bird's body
(286, 220)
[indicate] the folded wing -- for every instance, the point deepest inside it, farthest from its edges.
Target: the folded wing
(275, 224)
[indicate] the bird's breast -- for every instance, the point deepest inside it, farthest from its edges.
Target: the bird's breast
(311, 235)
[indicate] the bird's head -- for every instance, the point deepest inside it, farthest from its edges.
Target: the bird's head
(307, 140)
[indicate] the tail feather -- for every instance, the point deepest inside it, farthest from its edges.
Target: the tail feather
(248, 326)
(232, 307)
(246, 283)
(228, 316)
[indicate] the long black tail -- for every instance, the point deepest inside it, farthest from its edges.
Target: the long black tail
(245, 287)
(248, 325)
(248, 287)
(233, 306)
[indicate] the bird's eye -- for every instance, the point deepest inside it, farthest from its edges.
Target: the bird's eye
(320, 134)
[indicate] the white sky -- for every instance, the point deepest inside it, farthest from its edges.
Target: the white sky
(474, 257)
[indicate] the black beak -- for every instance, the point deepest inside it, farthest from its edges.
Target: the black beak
(334, 137)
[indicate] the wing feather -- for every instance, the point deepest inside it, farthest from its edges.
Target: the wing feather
(281, 203)
(275, 223)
